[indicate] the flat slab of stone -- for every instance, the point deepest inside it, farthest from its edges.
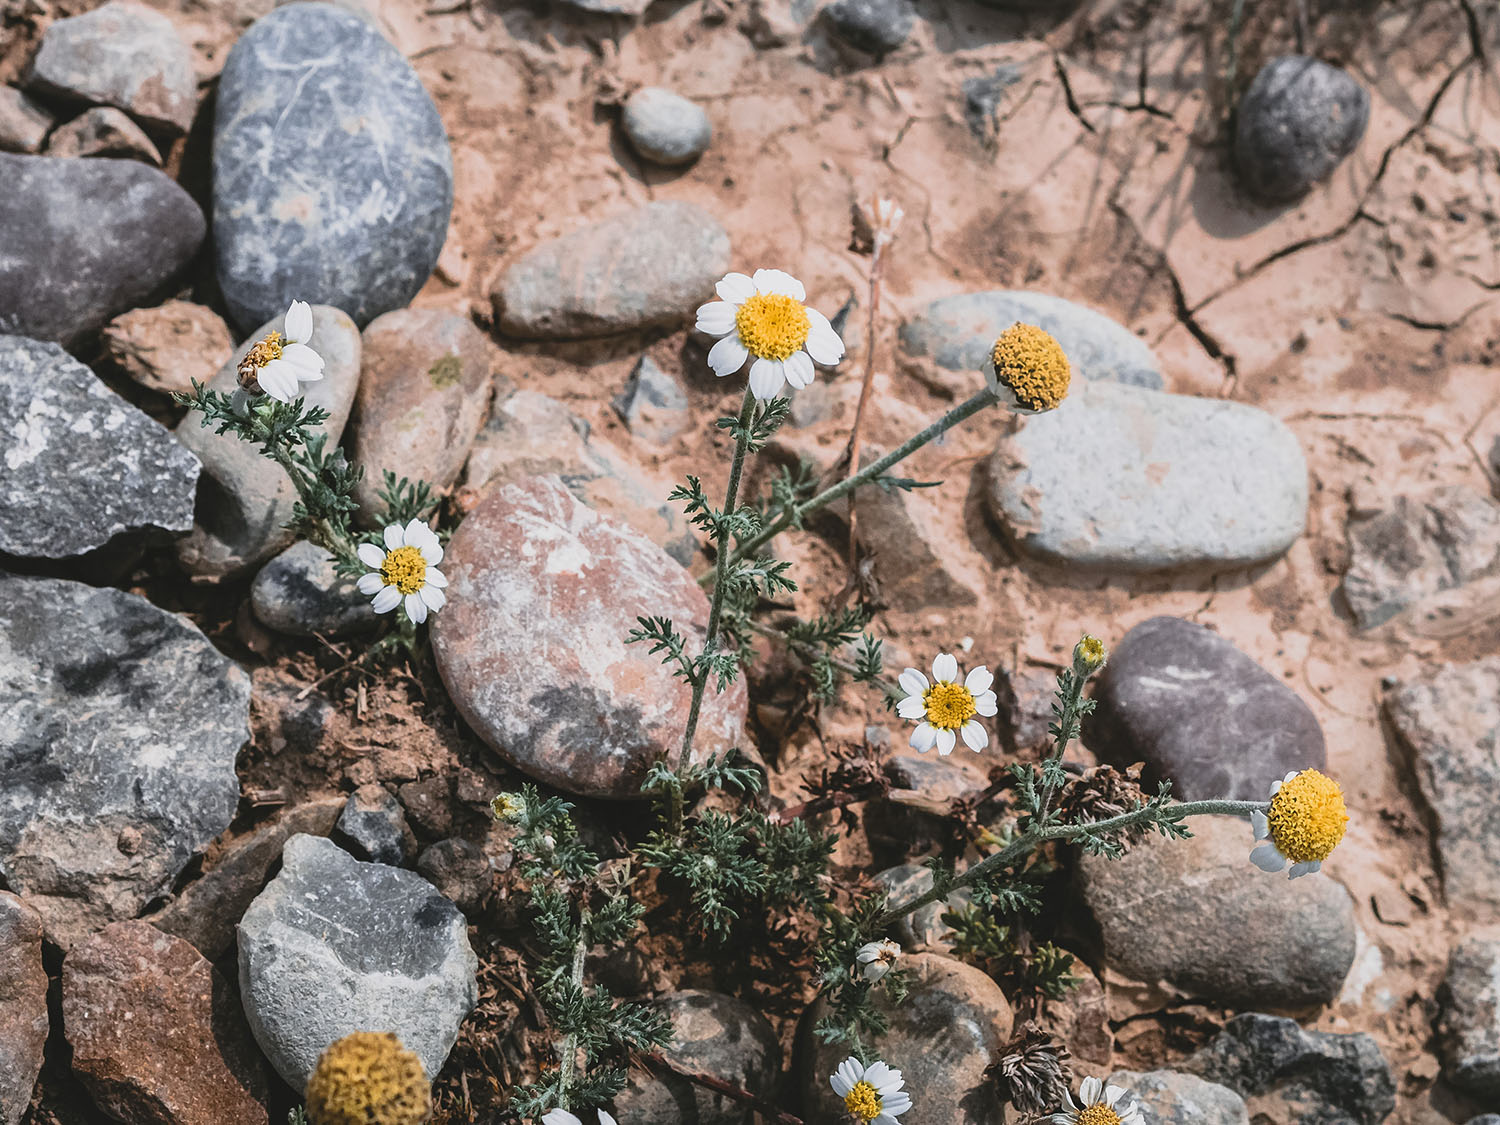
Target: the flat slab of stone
(1127, 480)
(532, 645)
(23, 1006)
(1169, 1098)
(300, 593)
(122, 725)
(83, 469)
(332, 175)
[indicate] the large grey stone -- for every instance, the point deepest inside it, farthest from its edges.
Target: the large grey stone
(1196, 914)
(23, 122)
(876, 26)
(1296, 123)
(122, 54)
(244, 499)
(1201, 714)
(645, 268)
(301, 594)
(1469, 1028)
(332, 176)
(83, 469)
(1169, 1098)
(117, 748)
(1448, 720)
(334, 946)
(23, 1006)
(653, 405)
(1124, 479)
(958, 332)
(86, 239)
(664, 127)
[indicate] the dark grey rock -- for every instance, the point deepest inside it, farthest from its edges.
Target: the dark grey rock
(1298, 120)
(653, 405)
(429, 804)
(124, 55)
(982, 98)
(1198, 915)
(958, 332)
(1448, 720)
(1420, 546)
(117, 755)
(103, 131)
(1469, 1028)
(1193, 483)
(83, 469)
(1169, 1098)
(876, 26)
(23, 122)
(924, 927)
(373, 827)
(334, 946)
(460, 871)
(713, 1034)
(85, 240)
(913, 817)
(332, 177)
(1199, 713)
(1485, 1119)
(23, 1006)
(1311, 1077)
(665, 128)
(300, 593)
(644, 268)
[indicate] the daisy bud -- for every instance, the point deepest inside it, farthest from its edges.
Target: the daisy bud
(1089, 655)
(1028, 370)
(509, 807)
(875, 959)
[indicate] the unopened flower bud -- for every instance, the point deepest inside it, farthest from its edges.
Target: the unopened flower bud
(1088, 656)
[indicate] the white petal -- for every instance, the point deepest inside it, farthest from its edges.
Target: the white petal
(975, 736)
(1112, 1094)
(394, 534)
(716, 318)
(1260, 824)
(823, 343)
(299, 322)
(279, 380)
(369, 584)
(735, 288)
(411, 534)
(986, 704)
(978, 681)
(435, 578)
(385, 601)
(912, 682)
(309, 364)
(432, 552)
(1307, 868)
(1290, 774)
(1089, 1090)
(371, 555)
(800, 370)
(767, 377)
(946, 740)
(912, 707)
(727, 356)
(880, 1075)
(416, 608)
(432, 597)
(1267, 858)
(606, 1118)
(885, 1118)
(778, 281)
(945, 668)
(899, 1102)
(559, 1117)
(924, 738)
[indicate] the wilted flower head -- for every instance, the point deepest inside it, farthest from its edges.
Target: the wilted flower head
(871, 1094)
(1099, 1104)
(764, 318)
(1032, 1071)
(1103, 792)
(1305, 822)
(368, 1078)
(279, 362)
(405, 572)
(1028, 370)
(875, 959)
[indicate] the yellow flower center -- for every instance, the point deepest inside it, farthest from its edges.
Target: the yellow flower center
(1308, 817)
(772, 326)
(1098, 1115)
(949, 706)
(264, 351)
(405, 569)
(1033, 365)
(863, 1101)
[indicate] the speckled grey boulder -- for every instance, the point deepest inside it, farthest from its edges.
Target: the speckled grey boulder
(876, 26)
(665, 128)
(121, 54)
(1169, 1098)
(82, 468)
(122, 725)
(958, 332)
(645, 268)
(334, 945)
(85, 240)
(1469, 1029)
(1298, 120)
(299, 593)
(332, 175)
(1126, 480)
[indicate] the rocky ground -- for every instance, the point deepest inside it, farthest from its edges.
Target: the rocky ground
(1271, 493)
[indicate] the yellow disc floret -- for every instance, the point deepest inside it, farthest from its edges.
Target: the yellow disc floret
(405, 569)
(1307, 817)
(1098, 1115)
(1033, 365)
(368, 1078)
(949, 706)
(772, 326)
(863, 1101)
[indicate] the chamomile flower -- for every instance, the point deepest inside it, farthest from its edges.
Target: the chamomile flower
(871, 1094)
(1304, 824)
(280, 361)
(563, 1117)
(1099, 1104)
(947, 708)
(875, 959)
(405, 572)
(1028, 370)
(763, 318)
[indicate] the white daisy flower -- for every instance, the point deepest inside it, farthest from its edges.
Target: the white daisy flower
(1100, 1105)
(871, 1094)
(407, 570)
(1304, 824)
(563, 1117)
(946, 707)
(764, 317)
(280, 361)
(875, 959)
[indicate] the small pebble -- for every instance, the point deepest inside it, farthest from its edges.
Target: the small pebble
(666, 128)
(876, 26)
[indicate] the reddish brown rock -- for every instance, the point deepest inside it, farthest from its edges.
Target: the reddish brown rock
(23, 1005)
(543, 593)
(157, 1036)
(167, 347)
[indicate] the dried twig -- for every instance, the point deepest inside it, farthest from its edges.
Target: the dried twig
(663, 1065)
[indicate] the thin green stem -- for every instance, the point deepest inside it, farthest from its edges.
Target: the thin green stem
(569, 1050)
(1067, 720)
(889, 687)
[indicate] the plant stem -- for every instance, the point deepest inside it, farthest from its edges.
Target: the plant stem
(1066, 721)
(1032, 838)
(889, 687)
(569, 1049)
